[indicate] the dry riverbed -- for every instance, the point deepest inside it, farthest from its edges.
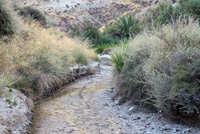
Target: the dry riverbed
(86, 107)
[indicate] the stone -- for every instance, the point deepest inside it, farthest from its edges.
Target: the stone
(106, 104)
(93, 67)
(133, 109)
(187, 131)
(166, 129)
(136, 118)
(105, 59)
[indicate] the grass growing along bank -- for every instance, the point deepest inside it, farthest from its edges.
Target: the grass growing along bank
(37, 59)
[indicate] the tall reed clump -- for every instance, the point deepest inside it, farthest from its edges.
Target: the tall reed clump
(162, 69)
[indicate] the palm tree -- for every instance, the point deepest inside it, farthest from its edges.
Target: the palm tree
(125, 27)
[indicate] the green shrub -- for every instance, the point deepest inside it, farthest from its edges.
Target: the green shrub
(164, 13)
(33, 14)
(105, 48)
(100, 48)
(124, 27)
(6, 21)
(132, 81)
(128, 66)
(191, 6)
(87, 30)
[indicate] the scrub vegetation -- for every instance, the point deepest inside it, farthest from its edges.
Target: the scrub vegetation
(160, 67)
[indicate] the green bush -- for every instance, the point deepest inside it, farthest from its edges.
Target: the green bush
(124, 27)
(33, 14)
(87, 30)
(6, 22)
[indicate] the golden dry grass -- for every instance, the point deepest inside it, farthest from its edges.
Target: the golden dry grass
(39, 55)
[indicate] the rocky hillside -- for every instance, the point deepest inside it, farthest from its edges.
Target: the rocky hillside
(99, 12)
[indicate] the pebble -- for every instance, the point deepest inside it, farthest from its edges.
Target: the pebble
(166, 129)
(137, 118)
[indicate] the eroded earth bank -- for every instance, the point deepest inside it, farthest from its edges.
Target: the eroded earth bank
(86, 107)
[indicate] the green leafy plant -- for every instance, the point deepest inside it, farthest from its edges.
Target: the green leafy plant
(124, 27)
(9, 100)
(15, 103)
(118, 61)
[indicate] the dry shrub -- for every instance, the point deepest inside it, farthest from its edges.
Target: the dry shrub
(40, 58)
(162, 68)
(173, 68)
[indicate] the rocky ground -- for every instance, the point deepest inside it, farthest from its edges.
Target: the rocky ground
(16, 108)
(86, 107)
(15, 112)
